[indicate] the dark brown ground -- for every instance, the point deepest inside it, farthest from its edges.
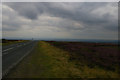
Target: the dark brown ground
(103, 55)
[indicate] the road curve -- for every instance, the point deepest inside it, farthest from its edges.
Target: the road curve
(13, 54)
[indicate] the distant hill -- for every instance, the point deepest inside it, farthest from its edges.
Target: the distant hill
(85, 40)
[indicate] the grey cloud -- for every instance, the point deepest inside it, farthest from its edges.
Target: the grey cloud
(70, 13)
(11, 25)
(30, 14)
(56, 9)
(27, 10)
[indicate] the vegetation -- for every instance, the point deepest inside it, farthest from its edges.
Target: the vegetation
(49, 61)
(93, 54)
(9, 42)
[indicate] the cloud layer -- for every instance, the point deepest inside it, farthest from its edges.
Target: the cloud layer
(60, 20)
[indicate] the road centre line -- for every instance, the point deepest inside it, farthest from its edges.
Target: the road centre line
(19, 45)
(14, 47)
(8, 49)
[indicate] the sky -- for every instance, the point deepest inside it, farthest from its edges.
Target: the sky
(60, 20)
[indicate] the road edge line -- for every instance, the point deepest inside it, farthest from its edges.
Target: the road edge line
(14, 64)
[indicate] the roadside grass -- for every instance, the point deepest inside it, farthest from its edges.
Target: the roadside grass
(47, 61)
(11, 42)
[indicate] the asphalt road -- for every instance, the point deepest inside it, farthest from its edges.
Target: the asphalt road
(13, 54)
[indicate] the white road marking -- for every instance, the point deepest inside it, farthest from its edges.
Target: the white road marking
(14, 64)
(13, 47)
(7, 49)
(19, 45)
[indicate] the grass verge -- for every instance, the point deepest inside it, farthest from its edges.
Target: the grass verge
(12, 42)
(47, 61)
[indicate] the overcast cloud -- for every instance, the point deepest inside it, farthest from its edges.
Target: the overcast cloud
(60, 20)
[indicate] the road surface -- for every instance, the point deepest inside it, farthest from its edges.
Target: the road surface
(13, 54)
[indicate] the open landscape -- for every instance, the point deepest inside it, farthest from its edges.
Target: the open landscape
(51, 59)
(59, 40)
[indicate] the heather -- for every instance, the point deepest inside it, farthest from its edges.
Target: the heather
(102, 55)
